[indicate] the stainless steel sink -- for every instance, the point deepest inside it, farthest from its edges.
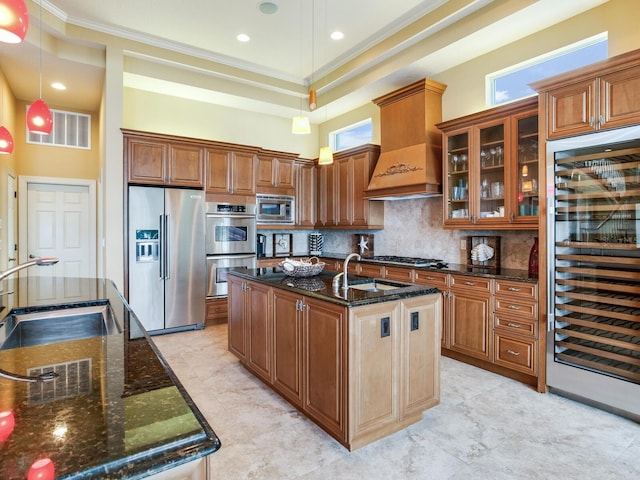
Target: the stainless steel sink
(60, 325)
(374, 286)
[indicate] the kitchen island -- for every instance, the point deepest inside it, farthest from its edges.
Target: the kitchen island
(361, 363)
(116, 409)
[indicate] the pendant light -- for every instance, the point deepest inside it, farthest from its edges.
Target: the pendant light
(14, 21)
(6, 140)
(39, 118)
(300, 125)
(326, 155)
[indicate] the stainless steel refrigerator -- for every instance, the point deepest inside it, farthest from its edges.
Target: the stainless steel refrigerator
(593, 341)
(167, 268)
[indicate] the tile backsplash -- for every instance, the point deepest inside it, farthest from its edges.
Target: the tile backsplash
(413, 228)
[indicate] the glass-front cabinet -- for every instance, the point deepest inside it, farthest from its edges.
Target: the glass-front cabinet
(491, 168)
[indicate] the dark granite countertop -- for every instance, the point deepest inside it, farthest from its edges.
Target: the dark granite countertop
(320, 287)
(504, 273)
(116, 411)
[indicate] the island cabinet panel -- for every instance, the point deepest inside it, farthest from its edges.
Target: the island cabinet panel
(441, 282)
(324, 351)
(420, 325)
(237, 328)
(470, 316)
(373, 345)
(287, 343)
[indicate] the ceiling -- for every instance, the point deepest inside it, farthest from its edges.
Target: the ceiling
(189, 48)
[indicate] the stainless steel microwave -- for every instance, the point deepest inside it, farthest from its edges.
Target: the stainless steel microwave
(278, 209)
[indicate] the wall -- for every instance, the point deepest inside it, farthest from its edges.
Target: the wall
(7, 164)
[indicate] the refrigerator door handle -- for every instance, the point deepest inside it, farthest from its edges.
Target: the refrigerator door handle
(167, 247)
(161, 247)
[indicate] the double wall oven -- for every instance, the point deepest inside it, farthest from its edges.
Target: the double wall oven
(230, 241)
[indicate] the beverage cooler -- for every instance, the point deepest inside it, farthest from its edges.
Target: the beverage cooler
(593, 339)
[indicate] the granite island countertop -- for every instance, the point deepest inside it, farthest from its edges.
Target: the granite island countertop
(320, 286)
(116, 410)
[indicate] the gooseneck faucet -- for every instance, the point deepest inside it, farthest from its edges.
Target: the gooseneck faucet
(345, 283)
(37, 261)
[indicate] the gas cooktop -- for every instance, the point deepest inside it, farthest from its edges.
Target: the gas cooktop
(411, 261)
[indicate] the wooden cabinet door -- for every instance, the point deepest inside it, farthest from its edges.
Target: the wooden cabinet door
(146, 160)
(284, 175)
(571, 109)
(287, 346)
(306, 195)
(620, 98)
(218, 167)
(374, 342)
(470, 320)
(259, 322)
(441, 282)
(324, 353)
(344, 190)
(419, 330)
(265, 174)
(326, 195)
(186, 166)
(243, 173)
(237, 334)
(361, 173)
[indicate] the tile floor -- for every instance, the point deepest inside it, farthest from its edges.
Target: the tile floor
(486, 427)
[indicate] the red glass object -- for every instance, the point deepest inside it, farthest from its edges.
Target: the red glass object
(6, 141)
(42, 469)
(39, 118)
(14, 21)
(533, 259)
(7, 422)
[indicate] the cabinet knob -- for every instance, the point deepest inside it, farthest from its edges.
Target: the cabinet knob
(602, 122)
(513, 216)
(512, 352)
(592, 122)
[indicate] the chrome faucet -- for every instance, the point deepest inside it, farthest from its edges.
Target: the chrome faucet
(345, 283)
(37, 261)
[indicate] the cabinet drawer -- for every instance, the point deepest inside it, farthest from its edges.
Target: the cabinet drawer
(521, 290)
(399, 273)
(523, 309)
(515, 325)
(473, 283)
(435, 279)
(269, 262)
(516, 353)
(370, 270)
(216, 309)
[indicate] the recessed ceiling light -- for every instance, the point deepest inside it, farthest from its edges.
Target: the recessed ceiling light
(268, 8)
(58, 86)
(337, 35)
(243, 37)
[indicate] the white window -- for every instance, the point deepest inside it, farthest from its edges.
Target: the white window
(512, 83)
(351, 136)
(70, 129)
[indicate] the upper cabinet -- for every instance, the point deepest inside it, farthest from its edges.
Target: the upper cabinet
(341, 190)
(275, 173)
(491, 168)
(306, 188)
(602, 95)
(163, 160)
(231, 170)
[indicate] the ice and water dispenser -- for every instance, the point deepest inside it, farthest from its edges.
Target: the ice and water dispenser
(147, 246)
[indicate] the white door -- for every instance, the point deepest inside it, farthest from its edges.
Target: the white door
(60, 222)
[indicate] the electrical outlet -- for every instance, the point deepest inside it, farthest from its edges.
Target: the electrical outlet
(463, 244)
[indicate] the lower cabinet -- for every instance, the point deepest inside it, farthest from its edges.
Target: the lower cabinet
(216, 310)
(360, 373)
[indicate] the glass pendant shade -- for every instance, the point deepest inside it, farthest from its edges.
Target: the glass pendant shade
(39, 118)
(300, 125)
(6, 141)
(42, 469)
(326, 156)
(14, 21)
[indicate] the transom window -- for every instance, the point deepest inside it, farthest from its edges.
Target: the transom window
(512, 83)
(357, 134)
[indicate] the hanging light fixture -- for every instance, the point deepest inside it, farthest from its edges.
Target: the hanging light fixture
(14, 21)
(326, 155)
(300, 125)
(39, 118)
(6, 140)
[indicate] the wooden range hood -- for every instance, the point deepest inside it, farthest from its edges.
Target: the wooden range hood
(410, 163)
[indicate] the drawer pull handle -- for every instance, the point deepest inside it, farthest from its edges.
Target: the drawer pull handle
(430, 278)
(514, 307)
(513, 289)
(512, 352)
(471, 284)
(514, 325)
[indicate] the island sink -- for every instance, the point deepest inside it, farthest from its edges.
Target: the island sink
(52, 326)
(374, 286)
